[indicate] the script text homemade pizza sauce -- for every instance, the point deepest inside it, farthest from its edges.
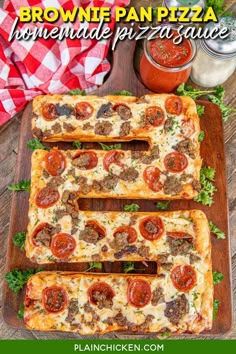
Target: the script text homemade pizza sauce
(164, 65)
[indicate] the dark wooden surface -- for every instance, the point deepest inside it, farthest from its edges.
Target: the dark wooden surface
(9, 134)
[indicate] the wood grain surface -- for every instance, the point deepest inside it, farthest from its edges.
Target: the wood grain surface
(9, 135)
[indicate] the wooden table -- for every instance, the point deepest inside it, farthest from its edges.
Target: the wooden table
(9, 134)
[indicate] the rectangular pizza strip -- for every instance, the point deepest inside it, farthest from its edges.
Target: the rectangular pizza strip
(114, 118)
(87, 236)
(178, 301)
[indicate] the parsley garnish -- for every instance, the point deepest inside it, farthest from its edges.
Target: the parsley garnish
(200, 109)
(19, 240)
(77, 144)
(129, 266)
(165, 334)
(162, 205)
(215, 230)
(131, 207)
(207, 175)
(76, 92)
(201, 136)
(20, 313)
(35, 144)
(123, 93)
(92, 265)
(216, 305)
(17, 278)
(218, 91)
(23, 185)
(217, 277)
(217, 5)
(227, 111)
(110, 147)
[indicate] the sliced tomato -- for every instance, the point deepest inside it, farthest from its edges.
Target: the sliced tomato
(49, 111)
(63, 245)
(139, 293)
(151, 176)
(98, 228)
(151, 227)
(174, 105)
(83, 110)
(175, 162)
(132, 233)
(178, 234)
(87, 159)
(183, 277)
(55, 299)
(187, 128)
(113, 156)
(55, 162)
(47, 197)
(100, 288)
(154, 116)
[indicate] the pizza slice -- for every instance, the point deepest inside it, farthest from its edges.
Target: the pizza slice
(177, 301)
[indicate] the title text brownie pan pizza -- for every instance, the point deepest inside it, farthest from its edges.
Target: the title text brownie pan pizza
(169, 170)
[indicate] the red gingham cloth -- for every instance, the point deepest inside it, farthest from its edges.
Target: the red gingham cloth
(29, 68)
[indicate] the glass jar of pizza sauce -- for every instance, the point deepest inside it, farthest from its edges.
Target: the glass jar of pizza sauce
(165, 65)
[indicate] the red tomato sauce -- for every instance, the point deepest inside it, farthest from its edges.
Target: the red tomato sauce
(165, 55)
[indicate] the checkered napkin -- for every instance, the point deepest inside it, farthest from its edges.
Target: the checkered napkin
(29, 68)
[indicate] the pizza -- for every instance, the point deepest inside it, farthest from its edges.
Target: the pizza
(170, 124)
(65, 234)
(179, 300)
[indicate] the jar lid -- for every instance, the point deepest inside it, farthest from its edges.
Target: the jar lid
(222, 47)
(185, 3)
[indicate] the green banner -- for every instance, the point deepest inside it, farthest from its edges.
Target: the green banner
(118, 346)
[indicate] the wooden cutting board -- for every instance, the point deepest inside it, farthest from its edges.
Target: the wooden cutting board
(123, 77)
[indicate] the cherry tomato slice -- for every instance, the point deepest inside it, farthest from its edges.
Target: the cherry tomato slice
(178, 234)
(113, 156)
(55, 299)
(139, 293)
(102, 288)
(132, 233)
(183, 277)
(175, 162)
(63, 245)
(83, 110)
(151, 176)
(47, 197)
(55, 162)
(151, 227)
(49, 112)
(85, 160)
(174, 105)
(154, 116)
(187, 128)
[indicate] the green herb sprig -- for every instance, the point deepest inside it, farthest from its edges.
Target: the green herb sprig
(123, 93)
(162, 205)
(23, 185)
(217, 277)
(110, 147)
(76, 92)
(207, 176)
(19, 240)
(215, 230)
(18, 278)
(35, 144)
(131, 207)
(94, 265)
